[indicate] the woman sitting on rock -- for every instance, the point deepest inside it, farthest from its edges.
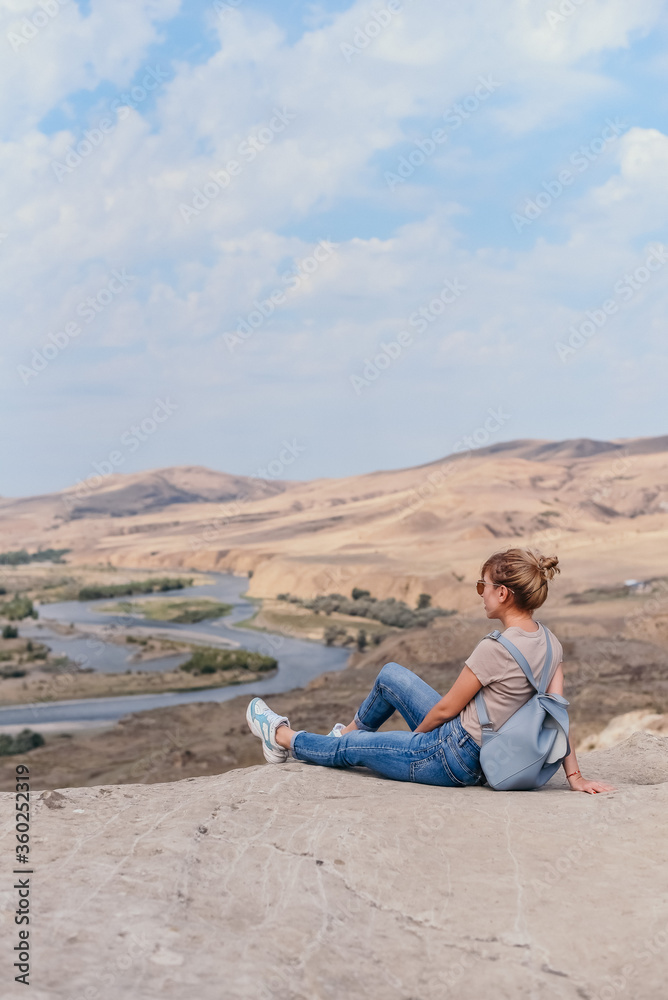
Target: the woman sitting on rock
(444, 745)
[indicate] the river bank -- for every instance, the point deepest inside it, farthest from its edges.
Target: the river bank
(72, 685)
(109, 660)
(211, 737)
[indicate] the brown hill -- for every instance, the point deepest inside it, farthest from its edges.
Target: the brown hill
(602, 506)
(126, 495)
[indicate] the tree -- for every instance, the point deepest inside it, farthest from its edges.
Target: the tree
(362, 641)
(20, 607)
(25, 740)
(10, 632)
(356, 593)
(424, 601)
(332, 633)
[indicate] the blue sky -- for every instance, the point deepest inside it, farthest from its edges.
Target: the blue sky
(249, 217)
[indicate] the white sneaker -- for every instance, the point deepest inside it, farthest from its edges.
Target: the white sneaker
(263, 723)
(336, 731)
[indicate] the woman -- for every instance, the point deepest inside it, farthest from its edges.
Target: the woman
(443, 747)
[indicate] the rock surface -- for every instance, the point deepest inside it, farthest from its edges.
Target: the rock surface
(296, 882)
(622, 726)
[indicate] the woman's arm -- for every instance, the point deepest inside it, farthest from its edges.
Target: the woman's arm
(465, 687)
(576, 781)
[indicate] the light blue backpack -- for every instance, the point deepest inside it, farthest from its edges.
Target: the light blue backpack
(529, 747)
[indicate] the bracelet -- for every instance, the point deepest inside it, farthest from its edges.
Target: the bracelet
(574, 772)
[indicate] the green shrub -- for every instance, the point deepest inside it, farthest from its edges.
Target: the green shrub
(288, 597)
(389, 611)
(357, 593)
(25, 740)
(20, 607)
(192, 615)
(424, 600)
(36, 654)
(97, 591)
(10, 632)
(20, 556)
(332, 633)
(209, 660)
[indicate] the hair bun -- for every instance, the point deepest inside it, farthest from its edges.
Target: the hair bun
(549, 565)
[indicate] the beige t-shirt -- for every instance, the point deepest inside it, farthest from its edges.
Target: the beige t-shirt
(504, 685)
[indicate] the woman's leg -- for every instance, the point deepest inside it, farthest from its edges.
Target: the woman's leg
(446, 756)
(402, 756)
(396, 687)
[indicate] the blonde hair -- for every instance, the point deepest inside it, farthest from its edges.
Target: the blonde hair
(525, 572)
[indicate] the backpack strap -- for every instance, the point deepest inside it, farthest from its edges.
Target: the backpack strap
(521, 660)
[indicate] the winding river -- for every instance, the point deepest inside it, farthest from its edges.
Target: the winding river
(299, 660)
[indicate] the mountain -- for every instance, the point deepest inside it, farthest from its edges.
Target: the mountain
(122, 495)
(574, 448)
(602, 506)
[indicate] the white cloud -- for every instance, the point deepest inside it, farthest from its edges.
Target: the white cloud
(119, 207)
(51, 51)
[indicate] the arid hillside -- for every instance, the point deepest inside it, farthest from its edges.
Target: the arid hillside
(601, 506)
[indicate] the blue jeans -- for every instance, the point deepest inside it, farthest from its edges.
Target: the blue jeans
(445, 756)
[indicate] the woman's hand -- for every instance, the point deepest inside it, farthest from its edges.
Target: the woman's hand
(580, 784)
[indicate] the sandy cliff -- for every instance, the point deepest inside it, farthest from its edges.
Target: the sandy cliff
(295, 882)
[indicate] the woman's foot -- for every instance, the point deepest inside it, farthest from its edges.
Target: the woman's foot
(263, 723)
(336, 731)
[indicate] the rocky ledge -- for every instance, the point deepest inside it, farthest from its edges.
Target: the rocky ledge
(295, 882)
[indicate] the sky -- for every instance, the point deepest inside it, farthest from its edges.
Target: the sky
(318, 239)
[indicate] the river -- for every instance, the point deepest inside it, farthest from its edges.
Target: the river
(299, 660)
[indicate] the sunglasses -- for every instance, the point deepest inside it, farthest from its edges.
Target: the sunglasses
(480, 587)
